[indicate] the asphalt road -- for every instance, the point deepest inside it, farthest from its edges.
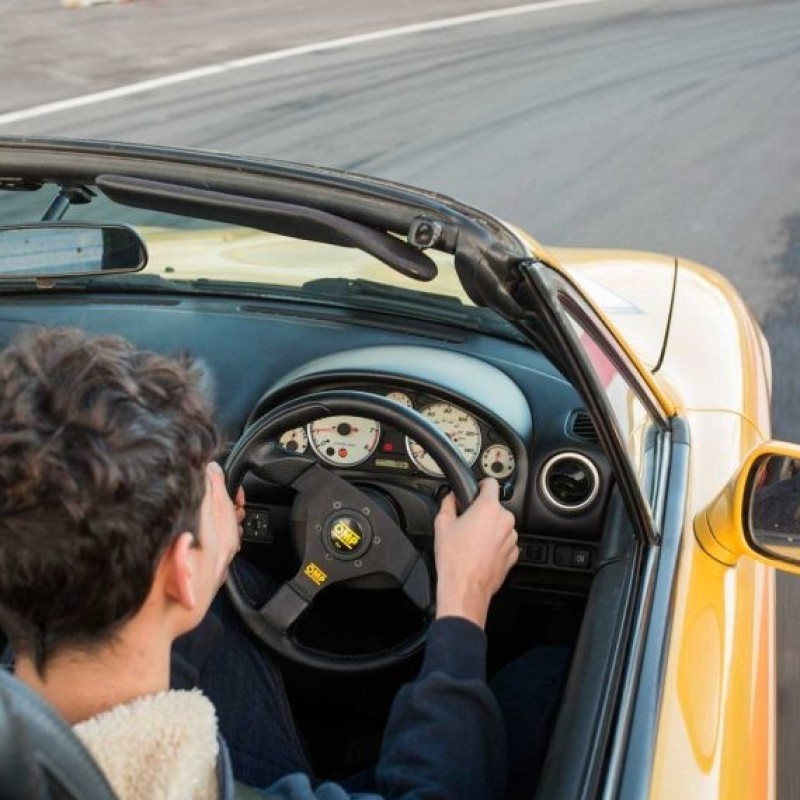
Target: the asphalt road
(661, 125)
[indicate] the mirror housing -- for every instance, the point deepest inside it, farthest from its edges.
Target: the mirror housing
(47, 250)
(754, 513)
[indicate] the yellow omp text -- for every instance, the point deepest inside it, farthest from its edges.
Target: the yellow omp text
(345, 535)
(314, 573)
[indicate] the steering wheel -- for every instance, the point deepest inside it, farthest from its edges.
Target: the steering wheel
(347, 534)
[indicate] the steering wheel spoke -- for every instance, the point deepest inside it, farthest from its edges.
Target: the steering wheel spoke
(273, 464)
(417, 585)
(282, 610)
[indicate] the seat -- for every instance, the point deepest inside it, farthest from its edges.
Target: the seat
(40, 756)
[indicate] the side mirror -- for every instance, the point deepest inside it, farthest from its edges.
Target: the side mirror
(57, 250)
(758, 513)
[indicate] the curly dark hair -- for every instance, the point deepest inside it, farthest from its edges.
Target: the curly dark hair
(103, 450)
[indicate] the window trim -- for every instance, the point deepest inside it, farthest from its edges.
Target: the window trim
(552, 294)
(633, 752)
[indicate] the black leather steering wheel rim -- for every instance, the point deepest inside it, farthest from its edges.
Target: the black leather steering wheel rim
(256, 451)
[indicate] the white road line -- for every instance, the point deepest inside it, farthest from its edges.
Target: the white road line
(279, 55)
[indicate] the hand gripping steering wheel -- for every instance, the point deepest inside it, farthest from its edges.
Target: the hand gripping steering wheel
(346, 533)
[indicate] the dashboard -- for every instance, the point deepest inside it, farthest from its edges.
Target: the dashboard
(553, 474)
(510, 413)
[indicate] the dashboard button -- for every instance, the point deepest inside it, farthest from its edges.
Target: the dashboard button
(257, 526)
(563, 557)
(536, 553)
(581, 558)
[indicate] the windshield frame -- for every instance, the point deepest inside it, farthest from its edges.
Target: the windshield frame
(484, 249)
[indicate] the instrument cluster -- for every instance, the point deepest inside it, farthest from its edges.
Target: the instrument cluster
(349, 441)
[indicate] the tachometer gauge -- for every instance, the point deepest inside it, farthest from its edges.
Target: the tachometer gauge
(459, 425)
(400, 397)
(344, 441)
(497, 461)
(294, 441)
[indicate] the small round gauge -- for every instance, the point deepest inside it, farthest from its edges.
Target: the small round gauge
(294, 441)
(400, 397)
(344, 441)
(497, 461)
(459, 425)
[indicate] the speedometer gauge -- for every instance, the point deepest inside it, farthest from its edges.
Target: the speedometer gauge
(344, 441)
(461, 428)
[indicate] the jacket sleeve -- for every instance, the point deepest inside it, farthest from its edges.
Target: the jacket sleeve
(445, 737)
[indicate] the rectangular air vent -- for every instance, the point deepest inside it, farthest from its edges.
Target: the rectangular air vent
(582, 427)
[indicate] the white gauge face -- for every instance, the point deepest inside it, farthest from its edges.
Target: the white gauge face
(460, 426)
(344, 441)
(294, 441)
(497, 461)
(400, 397)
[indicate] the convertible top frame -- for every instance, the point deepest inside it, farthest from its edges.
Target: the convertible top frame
(486, 251)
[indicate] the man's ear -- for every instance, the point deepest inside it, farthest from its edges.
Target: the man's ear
(178, 563)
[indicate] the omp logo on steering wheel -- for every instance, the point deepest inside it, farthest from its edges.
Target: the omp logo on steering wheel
(347, 535)
(344, 535)
(315, 574)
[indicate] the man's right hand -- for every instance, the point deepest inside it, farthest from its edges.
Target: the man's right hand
(474, 553)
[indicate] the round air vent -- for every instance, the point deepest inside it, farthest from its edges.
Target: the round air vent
(569, 482)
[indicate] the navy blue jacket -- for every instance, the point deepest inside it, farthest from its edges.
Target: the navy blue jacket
(445, 738)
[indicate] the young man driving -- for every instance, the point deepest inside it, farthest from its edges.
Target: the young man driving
(116, 533)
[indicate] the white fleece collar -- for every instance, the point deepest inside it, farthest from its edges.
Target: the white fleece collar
(159, 747)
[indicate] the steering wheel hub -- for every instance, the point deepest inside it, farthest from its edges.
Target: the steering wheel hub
(346, 535)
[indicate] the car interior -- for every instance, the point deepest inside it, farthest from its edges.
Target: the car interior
(281, 323)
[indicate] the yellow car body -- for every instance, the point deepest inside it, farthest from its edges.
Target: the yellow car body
(716, 728)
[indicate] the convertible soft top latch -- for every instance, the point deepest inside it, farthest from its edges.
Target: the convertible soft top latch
(424, 232)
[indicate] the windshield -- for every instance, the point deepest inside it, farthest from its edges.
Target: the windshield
(185, 249)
